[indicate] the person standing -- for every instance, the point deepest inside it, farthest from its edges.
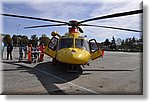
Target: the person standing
(25, 51)
(2, 50)
(9, 51)
(20, 52)
(41, 49)
(30, 52)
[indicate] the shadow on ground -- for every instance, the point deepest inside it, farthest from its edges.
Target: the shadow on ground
(47, 80)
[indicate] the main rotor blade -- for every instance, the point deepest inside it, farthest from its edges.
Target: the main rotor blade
(44, 26)
(42, 19)
(113, 15)
(111, 27)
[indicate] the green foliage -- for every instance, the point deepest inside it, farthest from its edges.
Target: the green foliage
(44, 39)
(7, 39)
(17, 39)
(128, 44)
(34, 40)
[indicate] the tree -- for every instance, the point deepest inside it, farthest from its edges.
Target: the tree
(14, 38)
(107, 43)
(113, 40)
(141, 38)
(133, 43)
(126, 44)
(141, 43)
(118, 43)
(122, 44)
(25, 40)
(19, 38)
(130, 43)
(7, 39)
(34, 40)
(44, 39)
(113, 43)
(133, 40)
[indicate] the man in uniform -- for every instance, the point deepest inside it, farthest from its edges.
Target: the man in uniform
(9, 51)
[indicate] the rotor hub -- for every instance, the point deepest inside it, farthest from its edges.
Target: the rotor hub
(73, 23)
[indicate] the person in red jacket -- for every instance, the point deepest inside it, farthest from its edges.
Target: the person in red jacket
(30, 52)
(41, 49)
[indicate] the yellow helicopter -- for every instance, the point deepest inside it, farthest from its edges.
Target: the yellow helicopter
(73, 48)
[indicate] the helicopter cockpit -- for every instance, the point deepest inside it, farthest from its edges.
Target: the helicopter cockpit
(65, 43)
(73, 43)
(81, 43)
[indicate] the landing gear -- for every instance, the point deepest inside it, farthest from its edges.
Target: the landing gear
(72, 69)
(68, 68)
(54, 62)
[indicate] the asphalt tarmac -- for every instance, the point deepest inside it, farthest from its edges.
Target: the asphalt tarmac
(118, 73)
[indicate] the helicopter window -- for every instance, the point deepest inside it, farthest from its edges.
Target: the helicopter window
(93, 45)
(81, 43)
(66, 43)
(53, 43)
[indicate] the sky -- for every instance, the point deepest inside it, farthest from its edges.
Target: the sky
(66, 10)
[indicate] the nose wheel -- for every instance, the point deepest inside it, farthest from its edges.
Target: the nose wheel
(72, 69)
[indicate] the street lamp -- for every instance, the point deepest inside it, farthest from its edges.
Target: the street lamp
(18, 33)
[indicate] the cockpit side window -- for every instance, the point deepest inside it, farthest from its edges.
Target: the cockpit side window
(66, 43)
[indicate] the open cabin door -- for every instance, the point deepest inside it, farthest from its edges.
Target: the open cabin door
(50, 49)
(94, 49)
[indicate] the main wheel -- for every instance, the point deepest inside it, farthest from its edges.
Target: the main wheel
(54, 61)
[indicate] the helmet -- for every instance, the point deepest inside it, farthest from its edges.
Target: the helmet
(54, 33)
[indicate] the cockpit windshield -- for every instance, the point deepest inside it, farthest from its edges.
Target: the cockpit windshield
(69, 43)
(66, 43)
(81, 43)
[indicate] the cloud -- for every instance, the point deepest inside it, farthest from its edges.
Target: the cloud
(131, 22)
(78, 10)
(67, 10)
(63, 10)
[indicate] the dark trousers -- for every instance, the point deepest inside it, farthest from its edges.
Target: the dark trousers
(9, 53)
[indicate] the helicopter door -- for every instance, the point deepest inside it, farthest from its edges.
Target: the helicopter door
(94, 49)
(51, 48)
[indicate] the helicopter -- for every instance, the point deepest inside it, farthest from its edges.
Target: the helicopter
(72, 48)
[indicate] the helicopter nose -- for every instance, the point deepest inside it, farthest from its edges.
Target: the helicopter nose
(73, 56)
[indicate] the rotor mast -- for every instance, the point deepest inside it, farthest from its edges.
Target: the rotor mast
(73, 29)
